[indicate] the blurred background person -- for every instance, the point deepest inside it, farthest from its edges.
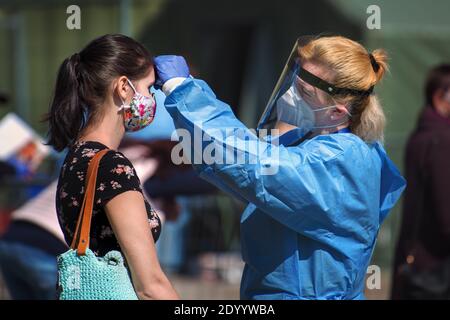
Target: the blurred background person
(422, 259)
(29, 248)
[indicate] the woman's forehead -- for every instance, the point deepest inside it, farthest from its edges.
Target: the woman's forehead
(148, 80)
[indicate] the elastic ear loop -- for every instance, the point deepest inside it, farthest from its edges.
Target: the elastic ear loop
(337, 124)
(131, 85)
(346, 109)
(123, 106)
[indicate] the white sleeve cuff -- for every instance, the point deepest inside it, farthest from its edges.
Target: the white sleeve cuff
(171, 84)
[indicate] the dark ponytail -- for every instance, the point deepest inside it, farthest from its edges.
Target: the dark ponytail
(66, 112)
(83, 80)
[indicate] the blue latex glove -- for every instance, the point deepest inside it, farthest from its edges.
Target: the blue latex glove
(168, 67)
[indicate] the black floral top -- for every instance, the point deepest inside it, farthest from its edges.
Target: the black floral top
(115, 175)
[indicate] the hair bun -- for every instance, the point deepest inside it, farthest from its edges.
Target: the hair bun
(378, 60)
(374, 63)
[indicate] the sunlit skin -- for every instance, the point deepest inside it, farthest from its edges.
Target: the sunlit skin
(126, 212)
(317, 98)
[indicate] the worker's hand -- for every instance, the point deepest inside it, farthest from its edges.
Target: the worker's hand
(168, 67)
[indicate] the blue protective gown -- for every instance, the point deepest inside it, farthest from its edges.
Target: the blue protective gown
(311, 224)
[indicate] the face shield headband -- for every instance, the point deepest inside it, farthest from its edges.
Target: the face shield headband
(332, 90)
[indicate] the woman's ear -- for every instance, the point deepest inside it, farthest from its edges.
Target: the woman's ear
(122, 88)
(340, 111)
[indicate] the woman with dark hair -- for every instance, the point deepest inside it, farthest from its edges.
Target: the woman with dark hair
(102, 92)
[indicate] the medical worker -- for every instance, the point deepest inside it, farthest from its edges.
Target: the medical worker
(318, 186)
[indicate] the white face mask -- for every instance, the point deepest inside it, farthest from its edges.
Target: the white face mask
(294, 110)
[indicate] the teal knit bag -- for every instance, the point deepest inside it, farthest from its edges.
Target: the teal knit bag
(81, 274)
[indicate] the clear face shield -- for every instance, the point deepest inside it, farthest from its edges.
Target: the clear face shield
(300, 95)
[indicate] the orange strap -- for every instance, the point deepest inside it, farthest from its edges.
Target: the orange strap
(81, 237)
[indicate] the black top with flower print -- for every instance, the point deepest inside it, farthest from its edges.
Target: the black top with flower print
(115, 175)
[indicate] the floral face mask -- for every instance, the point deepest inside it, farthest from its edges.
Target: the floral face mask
(140, 112)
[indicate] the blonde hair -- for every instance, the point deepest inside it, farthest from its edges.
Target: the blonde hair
(352, 67)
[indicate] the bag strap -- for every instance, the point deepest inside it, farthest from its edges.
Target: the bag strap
(80, 240)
